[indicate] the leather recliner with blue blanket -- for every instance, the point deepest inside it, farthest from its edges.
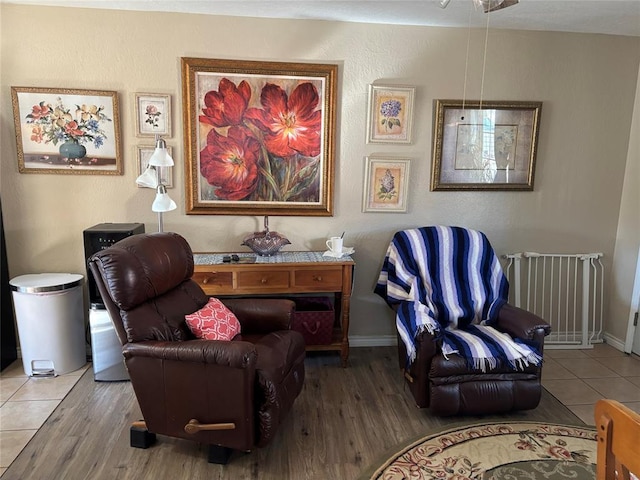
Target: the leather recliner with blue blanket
(462, 348)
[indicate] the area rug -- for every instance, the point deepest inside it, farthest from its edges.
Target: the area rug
(495, 451)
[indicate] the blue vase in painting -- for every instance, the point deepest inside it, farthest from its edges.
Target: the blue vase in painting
(72, 150)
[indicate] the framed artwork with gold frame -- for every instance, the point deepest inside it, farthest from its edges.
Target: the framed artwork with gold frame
(67, 131)
(259, 137)
(485, 146)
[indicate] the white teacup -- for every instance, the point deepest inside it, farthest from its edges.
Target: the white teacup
(335, 245)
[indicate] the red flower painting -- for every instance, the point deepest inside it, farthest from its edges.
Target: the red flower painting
(291, 125)
(231, 163)
(263, 143)
(227, 105)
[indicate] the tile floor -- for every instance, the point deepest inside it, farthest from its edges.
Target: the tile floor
(578, 378)
(25, 404)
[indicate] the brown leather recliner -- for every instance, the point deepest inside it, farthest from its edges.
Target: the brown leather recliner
(230, 395)
(449, 387)
(437, 278)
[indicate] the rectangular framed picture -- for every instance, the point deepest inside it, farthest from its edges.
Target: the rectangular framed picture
(390, 117)
(153, 115)
(259, 137)
(385, 184)
(143, 154)
(67, 131)
(488, 146)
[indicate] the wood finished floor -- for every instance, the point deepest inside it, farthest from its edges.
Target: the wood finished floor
(343, 422)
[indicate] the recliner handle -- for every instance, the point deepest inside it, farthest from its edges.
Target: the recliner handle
(194, 426)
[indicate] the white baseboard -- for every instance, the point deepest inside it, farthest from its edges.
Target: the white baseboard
(392, 340)
(614, 342)
(372, 341)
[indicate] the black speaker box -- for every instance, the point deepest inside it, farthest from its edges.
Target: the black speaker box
(98, 238)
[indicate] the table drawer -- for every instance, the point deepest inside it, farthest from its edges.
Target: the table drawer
(330, 279)
(266, 279)
(214, 279)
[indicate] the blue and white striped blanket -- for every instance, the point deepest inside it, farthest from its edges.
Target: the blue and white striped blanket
(448, 281)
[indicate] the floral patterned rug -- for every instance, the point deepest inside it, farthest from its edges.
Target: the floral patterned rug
(496, 451)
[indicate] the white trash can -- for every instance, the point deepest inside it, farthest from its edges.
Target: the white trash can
(50, 316)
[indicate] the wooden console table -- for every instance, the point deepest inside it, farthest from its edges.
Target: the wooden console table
(283, 273)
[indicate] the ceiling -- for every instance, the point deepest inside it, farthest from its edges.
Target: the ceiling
(614, 17)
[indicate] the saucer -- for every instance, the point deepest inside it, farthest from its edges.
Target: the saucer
(345, 251)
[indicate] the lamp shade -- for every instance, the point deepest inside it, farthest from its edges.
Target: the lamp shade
(149, 178)
(163, 202)
(161, 157)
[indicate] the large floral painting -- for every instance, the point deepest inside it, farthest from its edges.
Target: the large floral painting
(259, 137)
(67, 131)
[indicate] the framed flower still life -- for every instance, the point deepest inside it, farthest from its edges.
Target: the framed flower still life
(259, 137)
(390, 116)
(153, 115)
(385, 184)
(67, 131)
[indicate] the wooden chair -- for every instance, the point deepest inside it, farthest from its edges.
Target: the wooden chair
(618, 441)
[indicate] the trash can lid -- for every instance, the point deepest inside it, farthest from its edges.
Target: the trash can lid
(45, 282)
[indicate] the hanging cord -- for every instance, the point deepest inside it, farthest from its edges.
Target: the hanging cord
(466, 62)
(484, 60)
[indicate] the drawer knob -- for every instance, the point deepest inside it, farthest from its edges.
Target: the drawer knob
(317, 278)
(205, 280)
(264, 280)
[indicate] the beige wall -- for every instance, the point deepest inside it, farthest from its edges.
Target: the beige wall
(587, 84)
(628, 235)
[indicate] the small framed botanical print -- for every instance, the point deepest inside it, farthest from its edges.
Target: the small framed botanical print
(143, 156)
(153, 115)
(385, 184)
(390, 114)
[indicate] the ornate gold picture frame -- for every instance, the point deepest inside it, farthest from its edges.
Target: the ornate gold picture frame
(259, 137)
(488, 146)
(67, 131)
